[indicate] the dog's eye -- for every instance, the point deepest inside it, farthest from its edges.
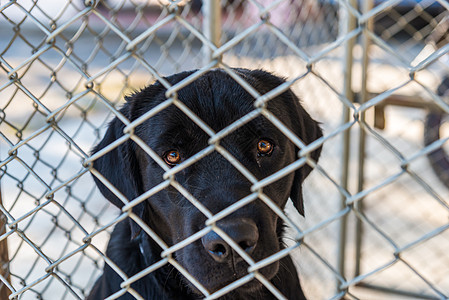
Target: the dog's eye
(172, 157)
(264, 147)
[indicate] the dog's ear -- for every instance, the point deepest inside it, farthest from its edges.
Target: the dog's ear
(119, 166)
(308, 130)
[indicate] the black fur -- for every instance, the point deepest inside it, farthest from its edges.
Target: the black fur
(218, 100)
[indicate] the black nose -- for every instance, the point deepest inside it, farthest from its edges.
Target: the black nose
(243, 231)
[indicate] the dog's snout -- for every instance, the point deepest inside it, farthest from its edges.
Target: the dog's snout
(243, 231)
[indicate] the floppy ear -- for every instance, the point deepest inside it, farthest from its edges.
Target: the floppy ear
(308, 130)
(119, 166)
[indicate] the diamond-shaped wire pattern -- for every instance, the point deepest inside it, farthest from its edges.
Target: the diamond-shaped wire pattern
(376, 204)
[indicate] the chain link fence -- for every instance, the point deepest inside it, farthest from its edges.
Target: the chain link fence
(376, 210)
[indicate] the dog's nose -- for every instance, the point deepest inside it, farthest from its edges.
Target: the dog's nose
(243, 231)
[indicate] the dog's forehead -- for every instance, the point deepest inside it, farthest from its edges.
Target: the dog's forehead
(218, 100)
(174, 125)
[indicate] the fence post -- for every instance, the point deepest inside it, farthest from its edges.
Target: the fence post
(366, 6)
(211, 26)
(4, 257)
(349, 25)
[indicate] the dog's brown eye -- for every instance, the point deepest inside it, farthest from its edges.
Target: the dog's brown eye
(172, 157)
(264, 147)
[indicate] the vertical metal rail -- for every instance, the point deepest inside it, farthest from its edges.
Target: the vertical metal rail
(346, 137)
(364, 94)
(366, 6)
(211, 26)
(4, 257)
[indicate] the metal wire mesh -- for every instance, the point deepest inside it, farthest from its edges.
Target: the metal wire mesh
(376, 214)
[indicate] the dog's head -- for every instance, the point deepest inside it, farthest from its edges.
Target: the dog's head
(213, 180)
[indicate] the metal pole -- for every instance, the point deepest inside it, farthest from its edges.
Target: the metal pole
(366, 6)
(350, 21)
(211, 26)
(4, 257)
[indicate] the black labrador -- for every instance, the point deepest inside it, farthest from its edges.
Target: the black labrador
(258, 145)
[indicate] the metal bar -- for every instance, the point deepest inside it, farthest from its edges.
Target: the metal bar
(426, 280)
(396, 291)
(189, 277)
(230, 209)
(379, 8)
(335, 44)
(172, 91)
(204, 39)
(145, 272)
(231, 286)
(232, 160)
(192, 238)
(4, 257)
(279, 174)
(72, 20)
(360, 278)
(326, 263)
(144, 35)
(390, 179)
(381, 97)
(411, 101)
(236, 39)
(29, 286)
(275, 257)
(211, 27)
(269, 286)
(348, 93)
(234, 126)
(366, 6)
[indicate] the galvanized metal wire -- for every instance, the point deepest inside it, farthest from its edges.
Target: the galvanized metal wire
(65, 67)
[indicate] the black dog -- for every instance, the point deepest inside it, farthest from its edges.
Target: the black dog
(258, 145)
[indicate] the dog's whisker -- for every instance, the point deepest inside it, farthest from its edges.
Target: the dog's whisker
(172, 268)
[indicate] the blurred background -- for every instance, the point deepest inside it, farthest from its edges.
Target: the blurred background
(372, 72)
